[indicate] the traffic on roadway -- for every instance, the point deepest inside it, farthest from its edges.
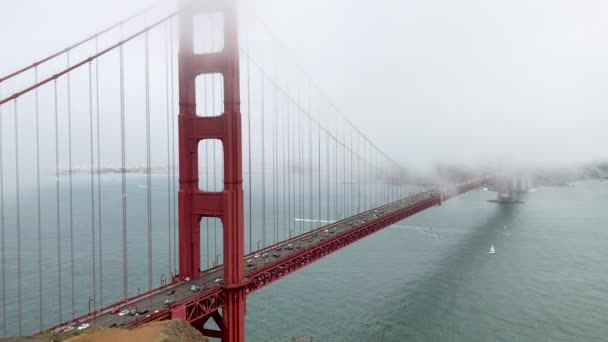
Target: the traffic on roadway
(160, 300)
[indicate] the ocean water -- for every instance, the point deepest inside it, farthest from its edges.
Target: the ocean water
(428, 278)
(548, 280)
(69, 256)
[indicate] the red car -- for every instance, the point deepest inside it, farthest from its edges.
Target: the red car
(115, 310)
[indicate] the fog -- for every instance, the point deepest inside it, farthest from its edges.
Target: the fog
(466, 82)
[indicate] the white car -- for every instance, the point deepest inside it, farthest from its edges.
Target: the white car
(249, 261)
(264, 255)
(194, 288)
(256, 256)
(123, 312)
(83, 326)
(156, 311)
(68, 329)
(218, 280)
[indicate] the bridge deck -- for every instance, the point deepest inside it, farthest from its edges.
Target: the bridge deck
(264, 266)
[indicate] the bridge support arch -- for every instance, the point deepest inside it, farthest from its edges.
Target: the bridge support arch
(194, 204)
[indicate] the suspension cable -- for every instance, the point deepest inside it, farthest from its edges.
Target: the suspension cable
(75, 45)
(249, 149)
(148, 158)
(98, 176)
(284, 174)
(289, 147)
(310, 197)
(263, 167)
(86, 60)
(301, 165)
(70, 186)
(207, 184)
(275, 205)
(123, 175)
(18, 212)
(57, 206)
(92, 171)
(174, 192)
(213, 144)
(327, 162)
(167, 124)
(2, 239)
(39, 222)
(319, 169)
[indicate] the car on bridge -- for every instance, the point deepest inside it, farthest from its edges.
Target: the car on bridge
(194, 288)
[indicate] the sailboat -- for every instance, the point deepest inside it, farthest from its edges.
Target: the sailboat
(492, 251)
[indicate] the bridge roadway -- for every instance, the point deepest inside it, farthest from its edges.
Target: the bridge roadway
(211, 280)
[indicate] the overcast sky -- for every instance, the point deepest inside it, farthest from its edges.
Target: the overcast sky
(428, 81)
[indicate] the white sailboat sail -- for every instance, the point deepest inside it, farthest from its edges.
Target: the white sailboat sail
(492, 250)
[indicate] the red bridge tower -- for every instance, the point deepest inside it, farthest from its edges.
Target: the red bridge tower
(194, 204)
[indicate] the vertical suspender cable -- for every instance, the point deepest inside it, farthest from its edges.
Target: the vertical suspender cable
(168, 85)
(249, 148)
(345, 198)
(2, 226)
(352, 178)
(336, 176)
(274, 160)
(98, 176)
(124, 176)
(310, 206)
(365, 176)
(39, 223)
(207, 184)
(358, 176)
(263, 158)
(148, 158)
(174, 192)
(213, 145)
(319, 165)
(57, 207)
(18, 212)
(301, 162)
(70, 186)
(93, 261)
(288, 169)
(328, 174)
(284, 173)
(207, 221)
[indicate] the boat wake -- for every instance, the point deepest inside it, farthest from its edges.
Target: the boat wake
(419, 229)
